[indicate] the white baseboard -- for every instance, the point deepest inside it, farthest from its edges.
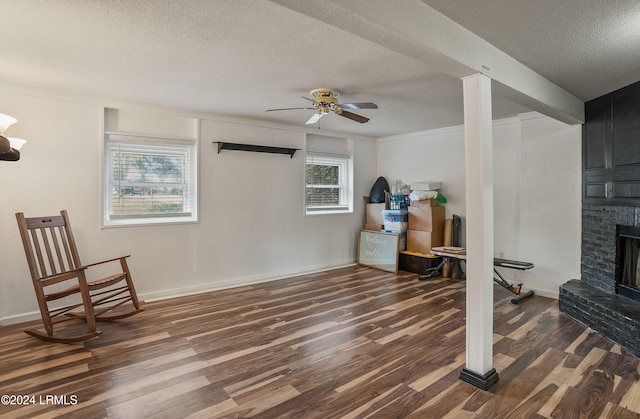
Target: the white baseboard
(234, 283)
(20, 318)
(547, 293)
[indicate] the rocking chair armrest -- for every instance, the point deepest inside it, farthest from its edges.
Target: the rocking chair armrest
(64, 276)
(103, 261)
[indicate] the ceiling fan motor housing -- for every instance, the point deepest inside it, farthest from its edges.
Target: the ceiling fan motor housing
(325, 100)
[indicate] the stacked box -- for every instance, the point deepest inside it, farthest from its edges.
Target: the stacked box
(426, 218)
(373, 215)
(396, 221)
(422, 241)
(425, 226)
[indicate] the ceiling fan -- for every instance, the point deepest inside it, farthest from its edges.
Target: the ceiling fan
(325, 101)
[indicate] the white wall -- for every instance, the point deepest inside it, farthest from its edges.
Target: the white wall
(252, 224)
(537, 173)
(550, 206)
(436, 155)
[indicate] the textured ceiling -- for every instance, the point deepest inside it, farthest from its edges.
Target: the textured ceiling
(587, 47)
(241, 57)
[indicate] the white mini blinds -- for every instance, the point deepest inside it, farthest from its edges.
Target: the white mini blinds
(149, 180)
(328, 183)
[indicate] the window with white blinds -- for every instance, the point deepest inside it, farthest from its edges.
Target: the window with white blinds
(149, 180)
(329, 183)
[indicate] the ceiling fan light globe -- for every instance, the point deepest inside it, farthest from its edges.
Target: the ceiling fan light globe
(6, 121)
(17, 143)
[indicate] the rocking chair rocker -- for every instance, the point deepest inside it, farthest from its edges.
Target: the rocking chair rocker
(54, 263)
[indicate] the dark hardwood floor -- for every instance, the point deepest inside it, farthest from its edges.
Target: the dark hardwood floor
(348, 343)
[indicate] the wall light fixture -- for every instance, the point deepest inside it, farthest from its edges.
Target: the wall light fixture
(9, 146)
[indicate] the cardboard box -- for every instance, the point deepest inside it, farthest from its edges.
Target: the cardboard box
(426, 218)
(373, 214)
(374, 227)
(422, 241)
(424, 203)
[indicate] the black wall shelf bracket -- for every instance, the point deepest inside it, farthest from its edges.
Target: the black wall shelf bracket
(223, 145)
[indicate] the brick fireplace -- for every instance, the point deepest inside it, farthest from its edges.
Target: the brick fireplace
(594, 300)
(603, 299)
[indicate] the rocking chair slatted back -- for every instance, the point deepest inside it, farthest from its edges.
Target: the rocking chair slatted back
(52, 246)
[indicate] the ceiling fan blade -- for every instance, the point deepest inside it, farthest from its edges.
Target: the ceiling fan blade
(354, 117)
(289, 109)
(314, 118)
(363, 105)
(310, 100)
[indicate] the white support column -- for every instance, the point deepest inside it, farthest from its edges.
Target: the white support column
(478, 138)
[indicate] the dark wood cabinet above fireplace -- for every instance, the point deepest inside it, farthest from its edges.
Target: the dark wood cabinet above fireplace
(611, 149)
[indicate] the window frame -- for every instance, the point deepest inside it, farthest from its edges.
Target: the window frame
(189, 148)
(345, 163)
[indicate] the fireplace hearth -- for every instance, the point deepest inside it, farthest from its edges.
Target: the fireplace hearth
(612, 315)
(600, 298)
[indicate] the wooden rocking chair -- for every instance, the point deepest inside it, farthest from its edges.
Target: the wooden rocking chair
(53, 260)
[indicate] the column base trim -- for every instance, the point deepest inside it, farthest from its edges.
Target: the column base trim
(482, 381)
